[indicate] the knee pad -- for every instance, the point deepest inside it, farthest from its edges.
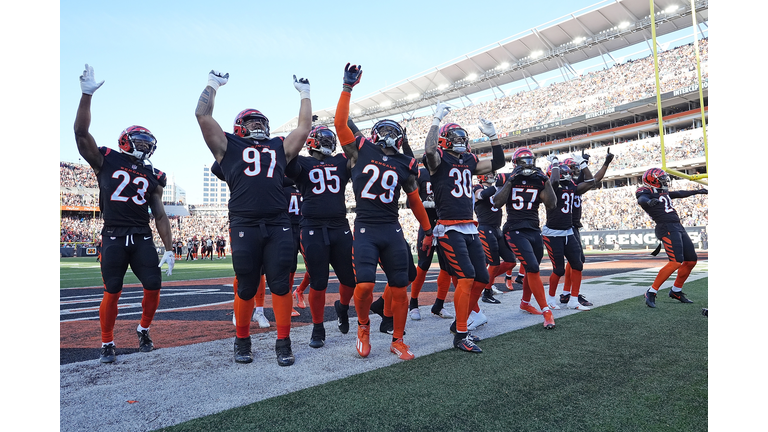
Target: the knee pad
(113, 285)
(534, 268)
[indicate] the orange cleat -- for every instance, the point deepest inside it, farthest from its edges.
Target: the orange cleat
(527, 307)
(295, 313)
(363, 340)
(402, 350)
(549, 322)
(299, 297)
(508, 282)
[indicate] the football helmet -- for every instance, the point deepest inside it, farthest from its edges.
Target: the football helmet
(453, 137)
(321, 139)
(387, 133)
(487, 178)
(656, 178)
(138, 142)
(524, 158)
(565, 172)
(258, 130)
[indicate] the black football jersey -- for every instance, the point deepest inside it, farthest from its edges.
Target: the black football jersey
(427, 194)
(561, 217)
(376, 181)
(577, 204)
(663, 212)
(522, 206)
(452, 183)
(124, 190)
(254, 171)
(322, 184)
(486, 213)
(293, 194)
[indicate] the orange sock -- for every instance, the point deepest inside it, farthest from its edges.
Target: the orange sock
(363, 300)
(399, 309)
(417, 283)
(282, 306)
(148, 307)
(345, 294)
(304, 283)
(493, 271)
(537, 289)
(317, 305)
(665, 273)
(443, 284)
(461, 303)
(108, 315)
(243, 313)
(261, 293)
(474, 295)
(567, 278)
(553, 281)
(387, 300)
(683, 272)
(526, 291)
(575, 282)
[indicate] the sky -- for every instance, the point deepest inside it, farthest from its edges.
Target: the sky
(155, 57)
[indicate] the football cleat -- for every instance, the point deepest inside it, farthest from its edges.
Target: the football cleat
(680, 296)
(107, 353)
(145, 343)
(363, 340)
(387, 325)
(402, 350)
(415, 314)
(552, 303)
(243, 350)
(442, 313)
(473, 338)
(519, 279)
(583, 301)
(578, 306)
(465, 343)
(298, 296)
(564, 298)
(476, 319)
(258, 316)
(283, 350)
(508, 283)
(495, 290)
(317, 339)
(295, 313)
(342, 313)
(650, 299)
(529, 308)
(549, 321)
(488, 297)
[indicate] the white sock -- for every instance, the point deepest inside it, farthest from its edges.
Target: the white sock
(103, 344)
(260, 309)
(653, 290)
(676, 289)
(140, 328)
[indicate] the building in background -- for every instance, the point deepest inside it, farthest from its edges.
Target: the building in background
(215, 191)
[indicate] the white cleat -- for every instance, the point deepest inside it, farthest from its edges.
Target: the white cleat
(444, 314)
(578, 306)
(415, 314)
(259, 317)
(496, 290)
(552, 303)
(476, 319)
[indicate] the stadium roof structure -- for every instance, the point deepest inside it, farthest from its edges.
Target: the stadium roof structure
(591, 32)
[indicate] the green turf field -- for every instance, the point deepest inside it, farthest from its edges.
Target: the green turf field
(628, 368)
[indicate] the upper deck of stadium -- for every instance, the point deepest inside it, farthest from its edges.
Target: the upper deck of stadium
(595, 31)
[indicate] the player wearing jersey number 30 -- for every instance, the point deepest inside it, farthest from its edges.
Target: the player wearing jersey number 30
(254, 165)
(379, 171)
(129, 187)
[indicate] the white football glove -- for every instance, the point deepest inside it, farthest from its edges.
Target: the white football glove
(487, 128)
(88, 82)
(441, 110)
(217, 79)
(302, 85)
(580, 161)
(553, 159)
(170, 259)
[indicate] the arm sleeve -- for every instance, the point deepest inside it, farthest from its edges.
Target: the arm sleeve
(488, 192)
(683, 194)
(340, 121)
(498, 161)
(418, 210)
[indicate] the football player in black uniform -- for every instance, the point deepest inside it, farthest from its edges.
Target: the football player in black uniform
(558, 233)
(580, 173)
(326, 238)
(379, 171)
(656, 199)
(254, 165)
(129, 187)
(451, 168)
(526, 188)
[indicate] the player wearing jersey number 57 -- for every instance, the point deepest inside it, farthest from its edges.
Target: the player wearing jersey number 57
(524, 190)
(129, 187)
(656, 199)
(451, 167)
(379, 171)
(253, 165)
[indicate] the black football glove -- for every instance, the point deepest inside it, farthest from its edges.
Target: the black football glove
(608, 157)
(584, 155)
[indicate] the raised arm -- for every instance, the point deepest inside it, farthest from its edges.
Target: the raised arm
(86, 144)
(352, 75)
(497, 162)
(295, 140)
(432, 160)
(213, 134)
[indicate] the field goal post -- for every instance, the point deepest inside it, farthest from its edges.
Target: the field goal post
(699, 178)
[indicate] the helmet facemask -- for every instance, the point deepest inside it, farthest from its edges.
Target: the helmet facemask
(257, 126)
(325, 141)
(387, 134)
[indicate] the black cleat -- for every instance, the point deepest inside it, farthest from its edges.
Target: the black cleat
(519, 279)
(317, 339)
(564, 298)
(488, 297)
(464, 342)
(583, 301)
(243, 350)
(145, 343)
(680, 296)
(107, 353)
(388, 325)
(342, 312)
(284, 353)
(650, 299)
(468, 335)
(705, 311)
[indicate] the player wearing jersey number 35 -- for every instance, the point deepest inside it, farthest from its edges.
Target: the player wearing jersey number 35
(254, 165)
(379, 171)
(129, 187)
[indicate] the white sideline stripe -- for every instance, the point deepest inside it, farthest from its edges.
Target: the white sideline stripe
(184, 383)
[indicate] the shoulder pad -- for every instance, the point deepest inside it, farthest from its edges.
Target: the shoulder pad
(104, 150)
(643, 190)
(161, 177)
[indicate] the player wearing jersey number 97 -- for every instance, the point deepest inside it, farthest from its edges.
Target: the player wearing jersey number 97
(253, 165)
